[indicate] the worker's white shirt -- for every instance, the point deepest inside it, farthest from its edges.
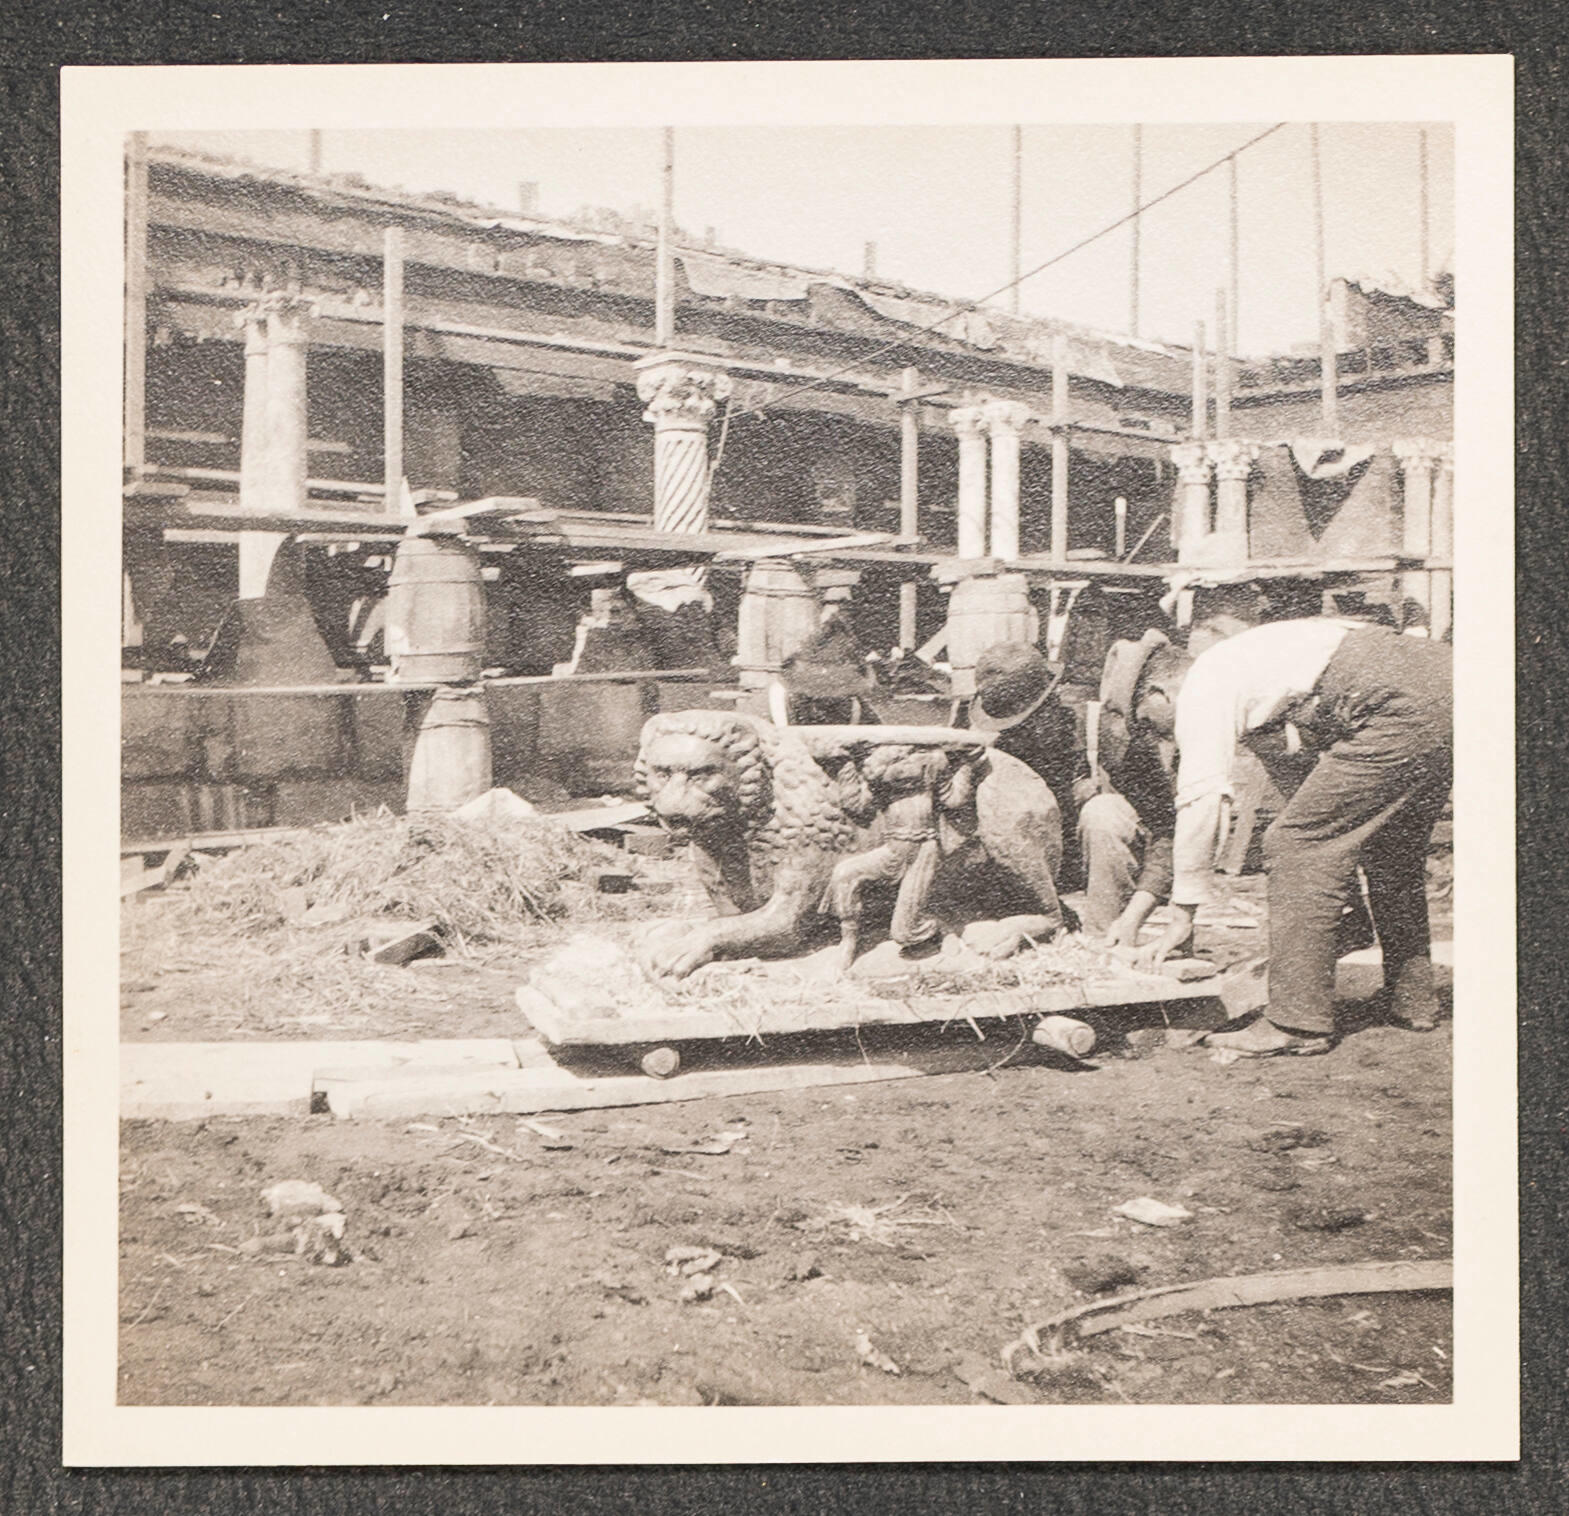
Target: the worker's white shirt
(1235, 687)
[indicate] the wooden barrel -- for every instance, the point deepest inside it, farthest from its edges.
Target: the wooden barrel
(983, 611)
(779, 612)
(435, 612)
(446, 749)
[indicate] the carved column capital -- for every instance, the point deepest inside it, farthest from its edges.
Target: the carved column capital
(680, 390)
(1004, 415)
(968, 421)
(1192, 461)
(1418, 455)
(1232, 459)
(252, 320)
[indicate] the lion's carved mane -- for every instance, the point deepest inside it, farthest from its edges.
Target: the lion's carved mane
(768, 865)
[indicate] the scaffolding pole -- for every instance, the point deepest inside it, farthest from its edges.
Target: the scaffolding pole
(664, 269)
(392, 366)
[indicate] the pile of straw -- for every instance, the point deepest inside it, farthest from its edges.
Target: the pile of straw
(487, 884)
(271, 934)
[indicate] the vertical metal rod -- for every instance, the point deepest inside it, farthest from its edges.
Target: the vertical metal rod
(1222, 368)
(1233, 264)
(664, 268)
(392, 365)
(1137, 224)
(1200, 424)
(1328, 378)
(135, 420)
(1016, 267)
(315, 150)
(1059, 451)
(1427, 267)
(909, 496)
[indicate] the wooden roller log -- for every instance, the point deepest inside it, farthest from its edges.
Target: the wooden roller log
(1066, 1035)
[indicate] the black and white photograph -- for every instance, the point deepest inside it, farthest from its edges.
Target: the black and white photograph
(779, 757)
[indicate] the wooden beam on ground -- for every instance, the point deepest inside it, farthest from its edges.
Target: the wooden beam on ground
(188, 1081)
(1376, 1278)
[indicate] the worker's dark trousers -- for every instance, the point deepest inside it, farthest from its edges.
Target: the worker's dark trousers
(1372, 799)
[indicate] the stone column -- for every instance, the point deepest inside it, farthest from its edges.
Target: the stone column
(1417, 457)
(1442, 581)
(1233, 461)
(969, 424)
(680, 393)
(279, 479)
(1190, 503)
(1004, 418)
(287, 415)
(253, 425)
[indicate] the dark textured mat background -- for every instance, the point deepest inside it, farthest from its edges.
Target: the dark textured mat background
(36, 38)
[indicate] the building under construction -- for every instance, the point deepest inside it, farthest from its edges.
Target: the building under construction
(662, 459)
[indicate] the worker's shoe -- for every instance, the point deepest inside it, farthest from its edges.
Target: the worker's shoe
(1411, 1001)
(1263, 1039)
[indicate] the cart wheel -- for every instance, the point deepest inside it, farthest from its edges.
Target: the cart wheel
(661, 1063)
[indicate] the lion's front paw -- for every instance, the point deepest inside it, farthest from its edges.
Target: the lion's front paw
(674, 952)
(993, 939)
(1002, 939)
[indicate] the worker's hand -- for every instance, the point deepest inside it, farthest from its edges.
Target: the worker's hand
(1150, 957)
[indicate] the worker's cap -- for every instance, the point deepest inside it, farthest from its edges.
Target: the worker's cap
(1013, 680)
(1125, 664)
(828, 664)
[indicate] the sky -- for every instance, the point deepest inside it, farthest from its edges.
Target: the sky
(937, 202)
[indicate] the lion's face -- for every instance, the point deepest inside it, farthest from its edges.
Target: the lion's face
(693, 786)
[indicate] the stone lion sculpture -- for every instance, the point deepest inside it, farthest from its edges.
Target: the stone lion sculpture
(783, 840)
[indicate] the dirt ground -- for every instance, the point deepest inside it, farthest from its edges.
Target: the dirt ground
(875, 1246)
(937, 1216)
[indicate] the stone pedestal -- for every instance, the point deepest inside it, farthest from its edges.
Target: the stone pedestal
(969, 425)
(1190, 504)
(1004, 419)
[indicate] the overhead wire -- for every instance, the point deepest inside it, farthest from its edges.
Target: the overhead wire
(958, 308)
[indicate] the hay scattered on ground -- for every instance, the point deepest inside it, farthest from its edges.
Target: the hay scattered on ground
(274, 931)
(486, 883)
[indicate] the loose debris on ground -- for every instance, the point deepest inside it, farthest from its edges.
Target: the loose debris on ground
(544, 1260)
(279, 932)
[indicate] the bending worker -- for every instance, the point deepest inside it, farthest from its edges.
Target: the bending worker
(1127, 810)
(1377, 709)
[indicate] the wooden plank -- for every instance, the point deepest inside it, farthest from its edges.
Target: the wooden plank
(564, 1026)
(183, 1081)
(798, 548)
(537, 1090)
(599, 818)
